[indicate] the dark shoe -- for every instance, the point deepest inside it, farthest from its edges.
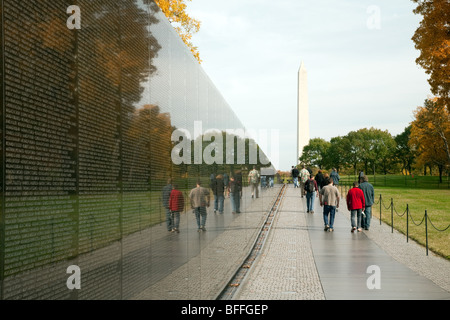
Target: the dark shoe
(326, 228)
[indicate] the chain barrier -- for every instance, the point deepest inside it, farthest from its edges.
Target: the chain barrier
(426, 218)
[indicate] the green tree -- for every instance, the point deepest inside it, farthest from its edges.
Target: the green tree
(336, 154)
(314, 154)
(404, 153)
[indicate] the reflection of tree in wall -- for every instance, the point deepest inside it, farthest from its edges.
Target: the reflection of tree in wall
(151, 132)
(210, 146)
(83, 85)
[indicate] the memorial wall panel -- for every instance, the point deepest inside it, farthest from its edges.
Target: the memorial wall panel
(87, 117)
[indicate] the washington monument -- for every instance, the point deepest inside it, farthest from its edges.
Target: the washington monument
(302, 111)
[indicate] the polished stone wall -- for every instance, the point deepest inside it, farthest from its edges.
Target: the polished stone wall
(86, 122)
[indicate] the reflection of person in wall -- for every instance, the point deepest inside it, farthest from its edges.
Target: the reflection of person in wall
(226, 180)
(253, 179)
(200, 198)
(165, 202)
(176, 205)
(234, 191)
(218, 189)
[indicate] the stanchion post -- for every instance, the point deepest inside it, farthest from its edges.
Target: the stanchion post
(407, 223)
(426, 230)
(380, 209)
(392, 215)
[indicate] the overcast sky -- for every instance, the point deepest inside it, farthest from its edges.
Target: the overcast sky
(359, 57)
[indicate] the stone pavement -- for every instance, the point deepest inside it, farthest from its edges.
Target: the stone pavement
(299, 260)
(198, 265)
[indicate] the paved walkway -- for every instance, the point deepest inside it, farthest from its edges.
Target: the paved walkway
(301, 261)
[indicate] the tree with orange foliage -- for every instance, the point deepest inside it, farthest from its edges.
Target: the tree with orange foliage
(432, 39)
(430, 134)
(186, 26)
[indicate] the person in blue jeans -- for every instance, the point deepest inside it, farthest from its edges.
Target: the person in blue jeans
(165, 202)
(218, 189)
(200, 199)
(369, 196)
(235, 195)
(329, 199)
(310, 188)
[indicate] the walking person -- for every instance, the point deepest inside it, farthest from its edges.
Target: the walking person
(355, 204)
(369, 198)
(329, 198)
(226, 180)
(334, 175)
(176, 205)
(304, 175)
(294, 174)
(310, 188)
(200, 198)
(218, 189)
(165, 196)
(361, 177)
(253, 180)
(234, 191)
(319, 179)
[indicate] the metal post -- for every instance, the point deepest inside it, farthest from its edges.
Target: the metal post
(380, 209)
(407, 223)
(426, 230)
(392, 215)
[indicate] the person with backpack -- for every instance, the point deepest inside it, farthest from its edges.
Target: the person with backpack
(310, 189)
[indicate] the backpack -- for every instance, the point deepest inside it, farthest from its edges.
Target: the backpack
(309, 186)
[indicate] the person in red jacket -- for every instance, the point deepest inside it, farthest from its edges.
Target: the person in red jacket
(355, 204)
(176, 205)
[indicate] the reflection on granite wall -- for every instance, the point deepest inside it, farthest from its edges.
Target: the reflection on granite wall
(86, 122)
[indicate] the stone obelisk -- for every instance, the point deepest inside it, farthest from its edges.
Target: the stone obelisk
(302, 111)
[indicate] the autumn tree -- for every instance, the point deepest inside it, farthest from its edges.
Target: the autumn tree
(432, 39)
(185, 25)
(430, 134)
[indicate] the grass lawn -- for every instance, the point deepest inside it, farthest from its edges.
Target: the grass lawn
(435, 201)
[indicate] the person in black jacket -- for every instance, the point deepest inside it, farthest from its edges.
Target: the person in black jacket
(234, 191)
(218, 189)
(319, 179)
